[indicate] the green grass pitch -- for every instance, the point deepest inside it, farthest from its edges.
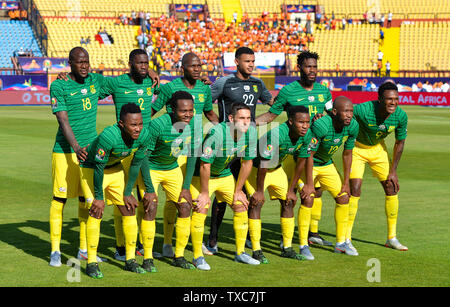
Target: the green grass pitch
(26, 140)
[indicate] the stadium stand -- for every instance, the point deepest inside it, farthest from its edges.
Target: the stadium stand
(424, 45)
(17, 36)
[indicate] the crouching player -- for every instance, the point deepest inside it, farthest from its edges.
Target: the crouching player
(224, 142)
(290, 138)
(103, 171)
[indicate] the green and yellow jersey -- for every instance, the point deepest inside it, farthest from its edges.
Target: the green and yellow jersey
(167, 142)
(373, 129)
(220, 148)
(276, 145)
(326, 140)
(293, 94)
(80, 101)
(124, 90)
(109, 148)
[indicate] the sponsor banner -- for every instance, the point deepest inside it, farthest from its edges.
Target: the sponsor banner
(9, 5)
(368, 84)
(416, 99)
(23, 83)
(194, 8)
(43, 65)
(33, 98)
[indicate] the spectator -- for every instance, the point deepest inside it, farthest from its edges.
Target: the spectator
(382, 20)
(381, 36)
(379, 65)
(344, 22)
(389, 20)
(88, 40)
(82, 41)
(133, 18)
(388, 69)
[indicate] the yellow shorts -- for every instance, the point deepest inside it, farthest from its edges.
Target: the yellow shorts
(113, 184)
(65, 175)
(182, 160)
(328, 177)
(376, 156)
(223, 187)
(276, 183)
(289, 168)
(171, 182)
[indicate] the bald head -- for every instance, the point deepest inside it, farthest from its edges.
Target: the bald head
(343, 110)
(76, 52)
(187, 58)
(340, 102)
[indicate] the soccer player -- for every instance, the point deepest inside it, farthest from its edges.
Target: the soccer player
(103, 171)
(377, 119)
(74, 102)
(191, 67)
(172, 137)
(221, 145)
(290, 138)
(329, 133)
(317, 98)
(238, 87)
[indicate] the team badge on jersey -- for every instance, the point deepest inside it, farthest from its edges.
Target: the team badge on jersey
(321, 99)
(201, 97)
(93, 90)
(268, 150)
(149, 91)
(54, 103)
(391, 128)
(207, 152)
(255, 88)
(100, 154)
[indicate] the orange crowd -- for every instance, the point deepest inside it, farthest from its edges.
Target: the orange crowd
(170, 38)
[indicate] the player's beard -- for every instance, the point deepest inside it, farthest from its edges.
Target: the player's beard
(305, 80)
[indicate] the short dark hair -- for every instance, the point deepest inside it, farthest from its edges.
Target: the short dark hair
(304, 55)
(135, 53)
(243, 50)
(186, 57)
(128, 108)
(236, 106)
(386, 86)
(296, 109)
(177, 96)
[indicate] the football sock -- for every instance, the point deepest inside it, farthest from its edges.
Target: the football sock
(341, 219)
(139, 217)
(56, 217)
(118, 227)
(287, 230)
(254, 228)
(130, 232)
(83, 214)
(93, 236)
(304, 219)
(316, 213)
(197, 230)
(352, 209)
(240, 225)
(170, 215)
(148, 230)
(183, 229)
(391, 208)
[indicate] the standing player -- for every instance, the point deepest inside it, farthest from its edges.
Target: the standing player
(191, 67)
(224, 142)
(238, 87)
(74, 102)
(103, 170)
(291, 138)
(317, 98)
(377, 119)
(329, 133)
(172, 137)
